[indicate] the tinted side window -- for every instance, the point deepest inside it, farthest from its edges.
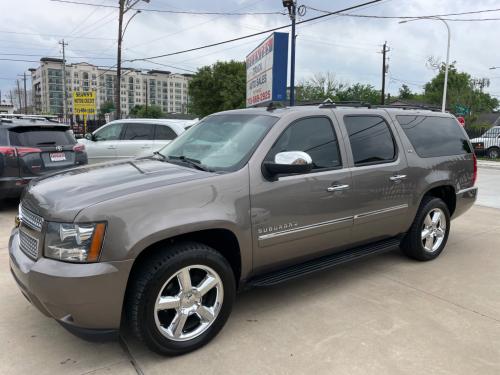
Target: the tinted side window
(3, 137)
(371, 139)
(434, 136)
(109, 133)
(138, 132)
(313, 135)
(164, 132)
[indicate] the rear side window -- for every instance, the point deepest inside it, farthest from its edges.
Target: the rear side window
(314, 135)
(371, 139)
(164, 133)
(139, 132)
(434, 136)
(37, 136)
(3, 137)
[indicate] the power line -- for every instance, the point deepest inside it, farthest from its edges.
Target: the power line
(5, 59)
(256, 34)
(174, 11)
(52, 35)
(412, 17)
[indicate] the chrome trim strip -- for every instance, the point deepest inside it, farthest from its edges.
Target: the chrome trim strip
(305, 227)
(466, 190)
(382, 211)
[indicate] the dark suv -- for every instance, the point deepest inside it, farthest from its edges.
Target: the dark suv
(33, 147)
(250, 197)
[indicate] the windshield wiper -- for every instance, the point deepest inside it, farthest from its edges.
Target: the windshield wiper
(192, 162)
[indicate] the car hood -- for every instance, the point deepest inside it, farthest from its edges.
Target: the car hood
(61, 196)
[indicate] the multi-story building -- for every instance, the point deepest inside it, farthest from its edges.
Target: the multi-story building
(137, 87)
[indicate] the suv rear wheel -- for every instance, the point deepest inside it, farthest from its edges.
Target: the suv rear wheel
(428, 234)
(181, 298)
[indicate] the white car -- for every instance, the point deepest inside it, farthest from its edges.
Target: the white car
(488, 144)
(129, 138)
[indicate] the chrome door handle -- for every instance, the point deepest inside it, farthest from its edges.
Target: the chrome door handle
(111, 148)
(146, 147)
(337, 188)
(398, 177)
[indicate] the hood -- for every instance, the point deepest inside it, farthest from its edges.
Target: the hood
(62, 195)
(476, 140)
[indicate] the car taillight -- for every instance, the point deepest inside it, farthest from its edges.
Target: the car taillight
(8, 151)
(79, 147)
(474, 175)
(21, 151)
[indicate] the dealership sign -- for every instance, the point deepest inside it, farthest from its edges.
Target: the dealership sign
(266, 70)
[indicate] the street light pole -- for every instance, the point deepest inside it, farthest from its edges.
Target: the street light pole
(445, 88)
(292, 11)
(124, 7)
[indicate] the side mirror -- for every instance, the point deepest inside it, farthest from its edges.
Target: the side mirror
(90, 137)
(289, 162)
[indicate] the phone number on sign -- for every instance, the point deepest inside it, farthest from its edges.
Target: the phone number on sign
(263, 96)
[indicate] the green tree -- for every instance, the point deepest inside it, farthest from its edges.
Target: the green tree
(318, 88)
(106, 107)
(405, 92)
(461, 91)
(219, 87)
(359, 92)
(141, 111)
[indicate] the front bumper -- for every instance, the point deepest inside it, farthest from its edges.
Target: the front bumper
(465, 198)
(86, 299)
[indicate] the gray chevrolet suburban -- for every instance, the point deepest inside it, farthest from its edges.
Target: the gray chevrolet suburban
(250, 197)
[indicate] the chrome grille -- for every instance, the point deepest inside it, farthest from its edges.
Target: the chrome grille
(31, 219)
(28, 245)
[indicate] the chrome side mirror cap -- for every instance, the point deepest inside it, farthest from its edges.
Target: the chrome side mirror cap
(288, 162)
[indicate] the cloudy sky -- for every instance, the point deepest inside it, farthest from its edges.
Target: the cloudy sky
(348, 47)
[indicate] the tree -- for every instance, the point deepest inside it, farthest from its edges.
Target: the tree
(359, 92)
(106, 107)
(405, 92)
(141, 111)
(461, 91)
(320, 87)
(219, 87)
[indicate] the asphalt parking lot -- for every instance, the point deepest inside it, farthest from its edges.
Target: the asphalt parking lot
(383, 315)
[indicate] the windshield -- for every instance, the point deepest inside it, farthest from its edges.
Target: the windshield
(492, 133)
(221, 142)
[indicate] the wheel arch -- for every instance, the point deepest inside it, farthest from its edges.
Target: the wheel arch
(445, 192)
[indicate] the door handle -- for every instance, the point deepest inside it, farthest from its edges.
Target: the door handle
(397, 178)
(146, 147)
(337, 188)
(111, 148)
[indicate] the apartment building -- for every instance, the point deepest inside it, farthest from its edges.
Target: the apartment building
(137, 87)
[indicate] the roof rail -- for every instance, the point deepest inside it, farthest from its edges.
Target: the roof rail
(329, 103)
(28, 117)
(409, 106)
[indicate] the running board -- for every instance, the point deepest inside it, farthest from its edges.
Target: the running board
(324, 263)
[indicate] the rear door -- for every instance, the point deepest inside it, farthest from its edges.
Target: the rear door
(381, 183)
(43, 149)
(164, 134)
(137, 140)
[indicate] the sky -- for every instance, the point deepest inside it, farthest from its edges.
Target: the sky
(347, 47)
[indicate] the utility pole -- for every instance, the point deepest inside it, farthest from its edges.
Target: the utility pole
(64, 44)
(124, 7)
(25, 95)
(384, 71)
(19, 95)
(291, 5)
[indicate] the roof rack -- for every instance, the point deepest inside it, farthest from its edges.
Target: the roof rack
(409, 106)
(17, 116)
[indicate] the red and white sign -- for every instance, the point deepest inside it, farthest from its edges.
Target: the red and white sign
(259, 64)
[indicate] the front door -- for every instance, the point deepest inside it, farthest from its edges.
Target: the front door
(381, 180)
(296, 217)
(103, 147)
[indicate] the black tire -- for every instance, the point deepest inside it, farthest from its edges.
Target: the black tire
(150, 279)
(412, 244)
(493, 152)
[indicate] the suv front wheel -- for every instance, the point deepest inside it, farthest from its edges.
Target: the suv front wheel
(428, 234)
(181, 298)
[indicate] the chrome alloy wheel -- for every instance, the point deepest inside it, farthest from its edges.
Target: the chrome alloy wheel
(433, 230)
(188, 303)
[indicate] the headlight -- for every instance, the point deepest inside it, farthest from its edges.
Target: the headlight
(79, 243)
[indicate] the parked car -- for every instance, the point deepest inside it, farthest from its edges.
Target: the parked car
(124, 139)
(488, 144)
(32, 147)
(250, 197)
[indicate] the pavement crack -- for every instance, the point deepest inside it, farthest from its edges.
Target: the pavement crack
(131, 358)
(442, 299)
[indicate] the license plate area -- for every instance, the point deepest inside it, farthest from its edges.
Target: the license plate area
(57, 156)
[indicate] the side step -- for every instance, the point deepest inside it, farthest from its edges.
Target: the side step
(324, 263)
